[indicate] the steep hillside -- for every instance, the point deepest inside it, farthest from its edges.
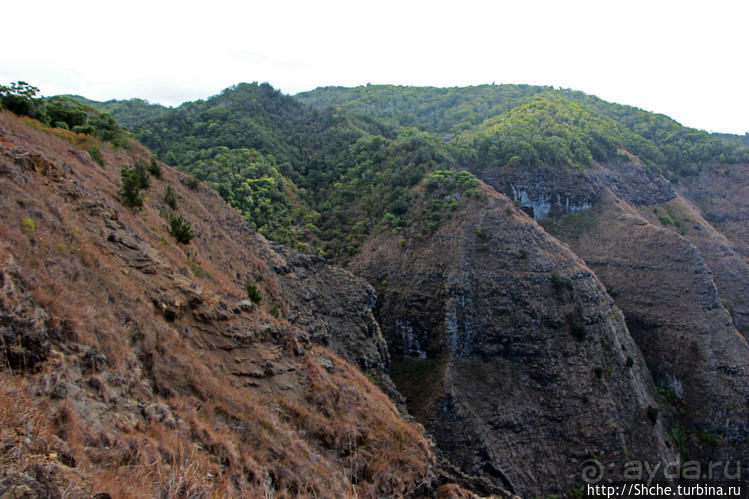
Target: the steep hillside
(601, 177)
(125, 351)
(509, 350)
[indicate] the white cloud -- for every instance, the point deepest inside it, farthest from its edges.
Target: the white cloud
(683, 59)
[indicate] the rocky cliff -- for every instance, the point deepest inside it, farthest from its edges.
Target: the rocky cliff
(510, 351)
(672, 274)
(123, 350)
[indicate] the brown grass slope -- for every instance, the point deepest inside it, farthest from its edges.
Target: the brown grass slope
(133, 366)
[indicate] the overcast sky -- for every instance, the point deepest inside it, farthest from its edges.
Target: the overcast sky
(689, 60)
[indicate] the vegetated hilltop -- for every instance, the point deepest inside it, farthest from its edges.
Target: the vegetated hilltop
(634, 194)
(154, 345)
(525, 110)
(315, 180)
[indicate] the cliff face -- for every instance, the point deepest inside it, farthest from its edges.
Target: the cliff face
(720, 196)
(509, 351)
(122, 348)
(671, 273)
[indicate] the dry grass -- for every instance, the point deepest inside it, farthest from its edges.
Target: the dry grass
(326, 434)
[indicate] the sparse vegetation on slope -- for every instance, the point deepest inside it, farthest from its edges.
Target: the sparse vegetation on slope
(115, 358)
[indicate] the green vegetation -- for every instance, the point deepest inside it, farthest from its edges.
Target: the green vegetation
(653, 413)
(575, 321)
(571, 225)
(253, 293)
(61, 112)
(547, 125)
(325, 170)
(192, 182)
(134, 179)
(195, 266)
(315, 180)
(29, 227)
(170, 197)
(154, 168)
(180, 228)
(95, 154)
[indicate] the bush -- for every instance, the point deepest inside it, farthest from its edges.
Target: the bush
(154, 167)
(142, 175)
(253, 293)
(180, 229)
(131, 187)
(28, 226)
(170, 198)
(87, 129)
(192, 182)
(20, 98)
(653, 413)
(95, 154)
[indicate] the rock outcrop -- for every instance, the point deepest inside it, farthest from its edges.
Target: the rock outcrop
(671, 273)
(510, 352)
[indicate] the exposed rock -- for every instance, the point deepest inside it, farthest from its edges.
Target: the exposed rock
(24, 338)
(34, 482)
(497, 336)
(674, 312)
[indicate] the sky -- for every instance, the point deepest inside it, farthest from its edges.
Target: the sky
(684, 59)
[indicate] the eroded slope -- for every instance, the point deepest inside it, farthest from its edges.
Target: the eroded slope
(125, 351)
(509, 350)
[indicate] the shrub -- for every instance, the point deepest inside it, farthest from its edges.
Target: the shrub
(653, 413)
(556, 280)
(180, 229)
(253, 293)
(575, 322)
(195, 266)
(154, 167)
(28, 226)
(192, 182)
(20, 98)
(87, 129)
(131, 186)
(273, 310)
(142, 175)
(95, 154)
(170, 197)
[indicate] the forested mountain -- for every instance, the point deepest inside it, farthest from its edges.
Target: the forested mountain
(530, 118)
(323, 178)
(317, 180)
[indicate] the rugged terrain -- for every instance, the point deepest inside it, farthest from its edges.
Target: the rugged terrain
(137, 366)
(669, 271)
(510, 352)
(554, 280)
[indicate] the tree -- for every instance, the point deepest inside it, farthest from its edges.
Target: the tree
(20, 98)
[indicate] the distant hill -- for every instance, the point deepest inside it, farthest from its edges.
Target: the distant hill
(659, 141)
